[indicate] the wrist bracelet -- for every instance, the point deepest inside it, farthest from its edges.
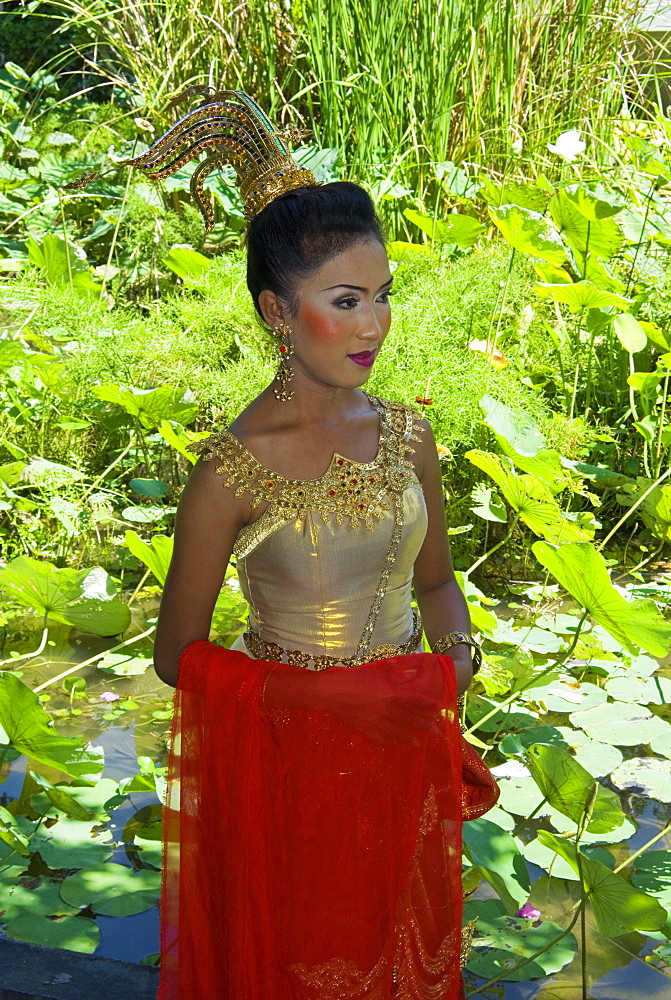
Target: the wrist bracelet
(445, 642)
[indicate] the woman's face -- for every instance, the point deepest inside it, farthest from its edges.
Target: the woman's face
(342, 317)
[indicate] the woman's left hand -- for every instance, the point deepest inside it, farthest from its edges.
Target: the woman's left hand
(463, 665)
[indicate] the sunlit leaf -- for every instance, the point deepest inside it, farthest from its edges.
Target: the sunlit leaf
(581, 570)
(151, 406)
(581, 295)
(619, 723)
(71, 843)
(530, 232)
(72, 932)
(11, 835)
(500, 860)
(83, 598)
(61, 799)
(530, 498)
(502, 941)
(594, 204)
(186, 262)
(629, 332)
(602, 237)
(28, 728)
(648, 776)
(463, 230)
(618, 907)
(155, 556)
(567, 786)
(112, 890)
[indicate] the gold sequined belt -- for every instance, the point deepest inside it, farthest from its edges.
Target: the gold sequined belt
(263, 650)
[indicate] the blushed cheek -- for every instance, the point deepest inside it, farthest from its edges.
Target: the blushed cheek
(323, 328)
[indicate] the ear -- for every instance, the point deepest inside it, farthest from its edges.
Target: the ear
(272, 308)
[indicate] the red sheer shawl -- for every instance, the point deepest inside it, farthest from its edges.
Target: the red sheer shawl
(303, 861)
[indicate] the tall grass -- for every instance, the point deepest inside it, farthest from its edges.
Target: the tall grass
(396, 85)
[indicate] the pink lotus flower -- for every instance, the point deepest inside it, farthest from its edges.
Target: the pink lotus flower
(493, 353)
(109, 696)
(529, 912)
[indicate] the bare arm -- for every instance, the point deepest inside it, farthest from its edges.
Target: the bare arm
(208, 520)
(442, 605)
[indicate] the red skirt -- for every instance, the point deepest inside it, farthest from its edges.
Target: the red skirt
(303, 861)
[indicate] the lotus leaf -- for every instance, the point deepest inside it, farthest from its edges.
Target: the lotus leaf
(529, 232)
(155, 556)
(600, 238)
(530, 499)
(143, 515)
(28, 729)
(112, 890)
(487, 504)
(581, 295)
(83, 598)
(555, 865)
(498, 856)
(502, 942)
(72, 932)
(596, 204)
(71, 843)
(149, 487)
(630, 333)
(98, 800)
(567, 787)
(521, 796)
(127, 664)
(517, 743)
(618, 906)
(11, 835)
(581, 570)
(61, 799)
(647, 776)
(619, 723)
(517, 428)
(661, 743)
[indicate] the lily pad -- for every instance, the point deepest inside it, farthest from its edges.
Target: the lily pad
(648, 776)
(502, 941)
(566, 695)
(517, 743)
(597, 758)
(640, 690)
(124, 664)
(71, 843)
(519, 796)
(661, 744)
(112, 890)
(653, 874)
(21, 896)
(619, 723)
(73, 933)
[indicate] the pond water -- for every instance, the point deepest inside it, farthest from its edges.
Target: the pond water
(617, 968)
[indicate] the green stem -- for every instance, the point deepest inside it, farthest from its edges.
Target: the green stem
(536, 677)
(29, 656)
(494, 547)
(92, 659)
(634, 506)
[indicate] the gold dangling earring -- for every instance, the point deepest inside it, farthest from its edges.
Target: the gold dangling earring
(284, 371)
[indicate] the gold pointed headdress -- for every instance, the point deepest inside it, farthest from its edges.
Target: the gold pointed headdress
(239, 133)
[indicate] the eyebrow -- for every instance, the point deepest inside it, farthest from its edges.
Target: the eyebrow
(356, 288)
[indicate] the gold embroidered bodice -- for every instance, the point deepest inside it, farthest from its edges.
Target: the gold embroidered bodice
(310, 566)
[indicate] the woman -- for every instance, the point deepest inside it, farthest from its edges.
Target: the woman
(312, 831)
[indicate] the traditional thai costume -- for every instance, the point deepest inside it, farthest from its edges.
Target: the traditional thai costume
(304, 860)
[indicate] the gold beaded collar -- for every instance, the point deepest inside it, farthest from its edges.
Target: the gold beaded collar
(355, 490)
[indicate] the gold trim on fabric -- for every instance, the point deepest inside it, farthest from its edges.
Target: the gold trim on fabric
(263, 650)
(359, 491)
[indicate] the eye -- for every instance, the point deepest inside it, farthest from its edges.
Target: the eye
(348, 302)
(384, 296)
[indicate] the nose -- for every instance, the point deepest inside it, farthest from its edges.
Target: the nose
(372, 327)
